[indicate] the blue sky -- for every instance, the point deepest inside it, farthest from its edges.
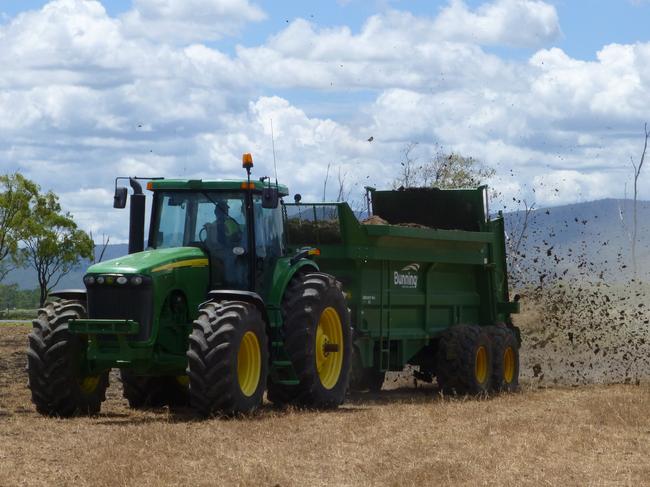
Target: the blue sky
(553, 94)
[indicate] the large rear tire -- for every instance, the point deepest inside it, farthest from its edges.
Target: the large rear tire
(505, 359)
(227, 359)
(464, 361)
(318, 340)
(53, 359)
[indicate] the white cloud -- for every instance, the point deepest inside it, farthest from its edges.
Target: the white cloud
(84, 97)
(174, 21)
(517, 23)
(395, 49)
(551, 189)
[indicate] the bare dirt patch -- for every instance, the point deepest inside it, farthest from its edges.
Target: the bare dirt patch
(595, 435)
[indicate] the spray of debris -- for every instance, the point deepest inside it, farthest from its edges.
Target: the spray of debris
(584, 311)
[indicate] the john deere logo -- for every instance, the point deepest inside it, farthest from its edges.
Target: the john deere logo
(407, 277)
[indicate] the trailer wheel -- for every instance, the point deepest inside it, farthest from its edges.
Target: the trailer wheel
(464, 361)
(58, 387)
(153, 392)
(318, 340)
(227, 359)
(505, 360)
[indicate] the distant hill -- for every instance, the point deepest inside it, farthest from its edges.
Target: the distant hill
(582, 238)
(26, 278)
(588, 239)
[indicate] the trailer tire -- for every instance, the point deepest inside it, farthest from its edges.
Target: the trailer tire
(505, 360)
(464, 361)
(227, 359)
(316, 317)
(152, 392)
(58, 387)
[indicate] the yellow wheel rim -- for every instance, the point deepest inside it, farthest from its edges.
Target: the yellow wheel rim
(329, 347)
(183, 380)
(481, 365)
(89, 384)
(249, 363)
(508, 365)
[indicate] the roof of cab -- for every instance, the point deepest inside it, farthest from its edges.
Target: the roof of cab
(225, 184)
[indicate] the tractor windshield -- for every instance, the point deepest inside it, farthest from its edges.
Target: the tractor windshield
(215, 221)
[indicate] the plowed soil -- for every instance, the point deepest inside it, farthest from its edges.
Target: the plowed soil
(548, 434)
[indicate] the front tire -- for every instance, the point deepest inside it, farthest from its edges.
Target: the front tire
(227, 359)
(318, 340)
(58, 386)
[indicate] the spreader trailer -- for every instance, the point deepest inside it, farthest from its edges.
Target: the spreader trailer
(427, 286)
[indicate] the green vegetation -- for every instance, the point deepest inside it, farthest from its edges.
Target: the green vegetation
(17, 314)
(53, 243)
(35, 232)
(18, 304)
(441, 170)
(16, 195)
(11, 297)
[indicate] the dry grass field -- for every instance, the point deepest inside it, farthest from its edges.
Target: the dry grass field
(592, 435)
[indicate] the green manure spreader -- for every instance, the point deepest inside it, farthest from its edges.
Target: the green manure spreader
(426, 284)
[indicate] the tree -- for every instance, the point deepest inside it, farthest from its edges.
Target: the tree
(16, 193)
(637, 173)
(53, 243)
(443, 170)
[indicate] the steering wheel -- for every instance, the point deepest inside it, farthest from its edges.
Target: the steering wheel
(203, 234)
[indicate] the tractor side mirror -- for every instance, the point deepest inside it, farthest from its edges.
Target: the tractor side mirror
(119, 200)
(270, 198)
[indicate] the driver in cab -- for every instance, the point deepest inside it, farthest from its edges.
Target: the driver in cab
(224, 231)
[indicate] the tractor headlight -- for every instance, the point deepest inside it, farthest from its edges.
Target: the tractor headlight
(136, 280)
(100, 280)
(89, 280)
(122, 280)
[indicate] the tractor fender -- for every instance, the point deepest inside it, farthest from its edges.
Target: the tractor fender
(79, 294)
(284, 272)
(237, 295)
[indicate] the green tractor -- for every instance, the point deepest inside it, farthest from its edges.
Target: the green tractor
(212, 314)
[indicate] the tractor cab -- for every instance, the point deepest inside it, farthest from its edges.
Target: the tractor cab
(241, 234)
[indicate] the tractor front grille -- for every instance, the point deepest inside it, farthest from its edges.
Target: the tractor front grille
(123, 303)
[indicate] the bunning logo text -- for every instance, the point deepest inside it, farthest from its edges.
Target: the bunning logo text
(405, 277)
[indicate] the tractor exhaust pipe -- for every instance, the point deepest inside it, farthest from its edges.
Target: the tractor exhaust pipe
(136, 218)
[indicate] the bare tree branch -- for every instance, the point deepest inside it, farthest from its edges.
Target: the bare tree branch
(637, 172)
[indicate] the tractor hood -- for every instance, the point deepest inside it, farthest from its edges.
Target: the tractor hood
(152, 261)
